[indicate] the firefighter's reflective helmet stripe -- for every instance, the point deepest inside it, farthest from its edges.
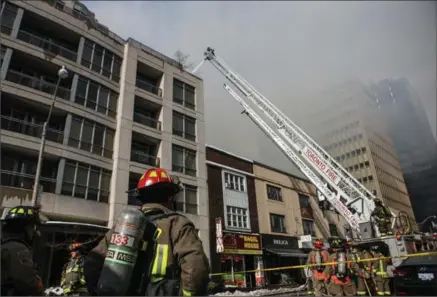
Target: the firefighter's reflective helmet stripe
(186, 293)
(21, 210)
(160, 263)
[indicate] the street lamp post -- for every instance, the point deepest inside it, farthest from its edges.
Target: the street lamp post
(62, 74)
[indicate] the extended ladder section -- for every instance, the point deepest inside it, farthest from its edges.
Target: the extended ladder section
(351, 199)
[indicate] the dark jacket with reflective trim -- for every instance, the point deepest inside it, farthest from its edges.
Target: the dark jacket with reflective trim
(180, 261)
(19, 275)
(73, 280)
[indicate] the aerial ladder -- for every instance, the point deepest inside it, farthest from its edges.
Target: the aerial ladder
(348, 196)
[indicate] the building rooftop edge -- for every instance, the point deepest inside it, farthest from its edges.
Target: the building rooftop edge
(255, 162)
(280, 171)
(112, 35)
(228, 153)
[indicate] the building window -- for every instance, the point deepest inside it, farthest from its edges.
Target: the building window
(96, 97)
(184, 126)
(86, 181)
(183, 94)
(304, 201)
(18, 171)
(101, 60)
(2, 54)
(333, 230)
(274, 193)
(9, 12)
(186, 200)
(235, 182)
(184, 160)
(277, 223)
(237, 217)
(92, 137)
(308, 227)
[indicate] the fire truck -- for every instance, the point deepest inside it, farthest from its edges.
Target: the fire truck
(334, 184)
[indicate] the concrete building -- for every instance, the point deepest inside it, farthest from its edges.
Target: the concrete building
(346, 122)
(123, 108)
(413, 140)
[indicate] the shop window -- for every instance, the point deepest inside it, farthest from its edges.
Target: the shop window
(277, 223)
(237, 217)
(274, 193)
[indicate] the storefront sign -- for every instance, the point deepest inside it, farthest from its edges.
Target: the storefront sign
(219, 235)
(279, 242)
(243, 244)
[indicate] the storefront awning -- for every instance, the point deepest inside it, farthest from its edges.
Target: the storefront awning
(287, 253)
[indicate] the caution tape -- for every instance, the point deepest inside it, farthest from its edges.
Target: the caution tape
(326, 264)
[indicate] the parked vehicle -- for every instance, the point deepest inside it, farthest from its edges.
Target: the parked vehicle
(416, 276)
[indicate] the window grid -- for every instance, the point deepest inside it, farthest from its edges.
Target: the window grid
(237, 217)
(187, 201)
(277, 223)
(184, 94)
(111, 71)
(84, 99)
(274, 193)
(9, 13)
(86, 190)
(235, 182)
(184, 160)
(104, 149)
(184, 130)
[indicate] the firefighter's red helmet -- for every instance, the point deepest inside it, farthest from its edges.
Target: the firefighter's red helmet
(159, 179)
(318, 243)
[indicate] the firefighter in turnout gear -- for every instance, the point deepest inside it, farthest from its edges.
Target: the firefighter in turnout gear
(179, 265)
(382, 217)
(317, 256)
(19, 274)
(379, 272)
(361, 271)
(340, 282)
(73, 280)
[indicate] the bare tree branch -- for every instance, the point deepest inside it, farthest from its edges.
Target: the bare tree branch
(182, 58)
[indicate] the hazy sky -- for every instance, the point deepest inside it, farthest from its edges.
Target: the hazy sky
(287, 50)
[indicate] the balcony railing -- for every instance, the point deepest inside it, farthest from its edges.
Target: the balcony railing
(31, 129)
(143, 158)
(47, 45)
(37, 84)
(183, 134)
(90, 147)
(147, 121)
(184, 170)
(148, 87)
(25, 181)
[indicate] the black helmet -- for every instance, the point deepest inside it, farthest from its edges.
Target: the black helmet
(336, 243)
(378, 202)
(24, 214)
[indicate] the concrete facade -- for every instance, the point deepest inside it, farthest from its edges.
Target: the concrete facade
(292, 205)
(109, 142)
(349, 127)
(415, 144)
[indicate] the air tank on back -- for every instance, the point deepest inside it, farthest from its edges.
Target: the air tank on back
(123, 249)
